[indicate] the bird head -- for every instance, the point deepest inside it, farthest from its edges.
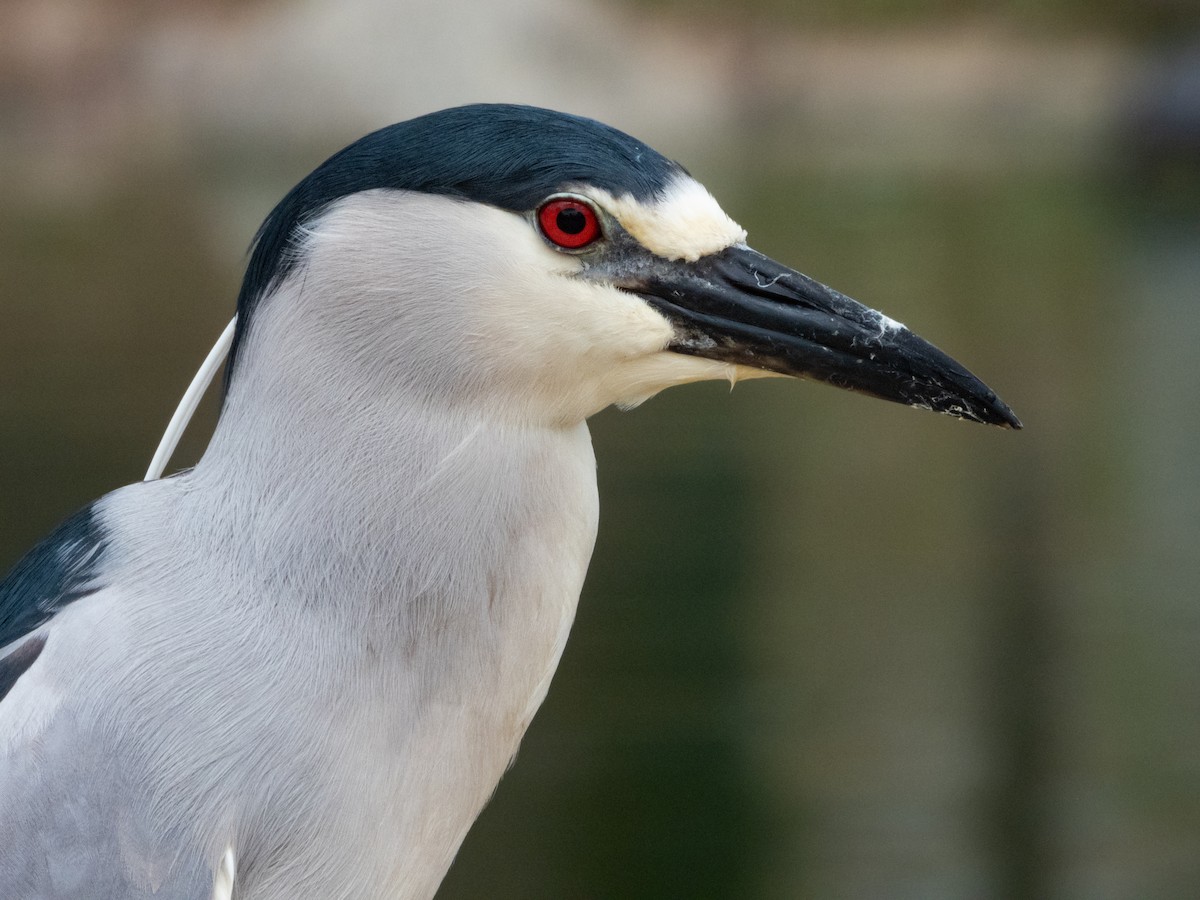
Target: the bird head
(545, 266)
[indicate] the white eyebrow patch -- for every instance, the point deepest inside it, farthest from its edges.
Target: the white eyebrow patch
(684, 223)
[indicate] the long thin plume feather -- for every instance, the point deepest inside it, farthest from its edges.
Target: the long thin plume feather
(191, 400)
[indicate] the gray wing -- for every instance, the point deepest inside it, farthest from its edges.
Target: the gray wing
(69, 820)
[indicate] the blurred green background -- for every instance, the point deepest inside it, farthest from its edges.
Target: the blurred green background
(829, 647)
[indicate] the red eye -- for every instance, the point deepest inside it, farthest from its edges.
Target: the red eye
(569, 223)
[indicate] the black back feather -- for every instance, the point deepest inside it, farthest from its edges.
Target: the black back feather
(56, 572)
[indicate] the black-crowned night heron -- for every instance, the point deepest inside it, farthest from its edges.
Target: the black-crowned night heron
(300, 668)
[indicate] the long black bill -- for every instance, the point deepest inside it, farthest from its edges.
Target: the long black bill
(739, 306)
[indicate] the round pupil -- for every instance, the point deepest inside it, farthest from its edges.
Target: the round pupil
(570, 220)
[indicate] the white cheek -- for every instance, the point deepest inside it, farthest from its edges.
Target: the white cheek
(468, 304)
(572, 329)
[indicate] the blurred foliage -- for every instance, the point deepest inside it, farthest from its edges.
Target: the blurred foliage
(1158, 19)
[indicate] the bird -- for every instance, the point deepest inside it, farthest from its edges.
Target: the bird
(301, 667)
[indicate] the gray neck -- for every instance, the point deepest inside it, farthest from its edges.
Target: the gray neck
(393, 516)
(425, 563)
